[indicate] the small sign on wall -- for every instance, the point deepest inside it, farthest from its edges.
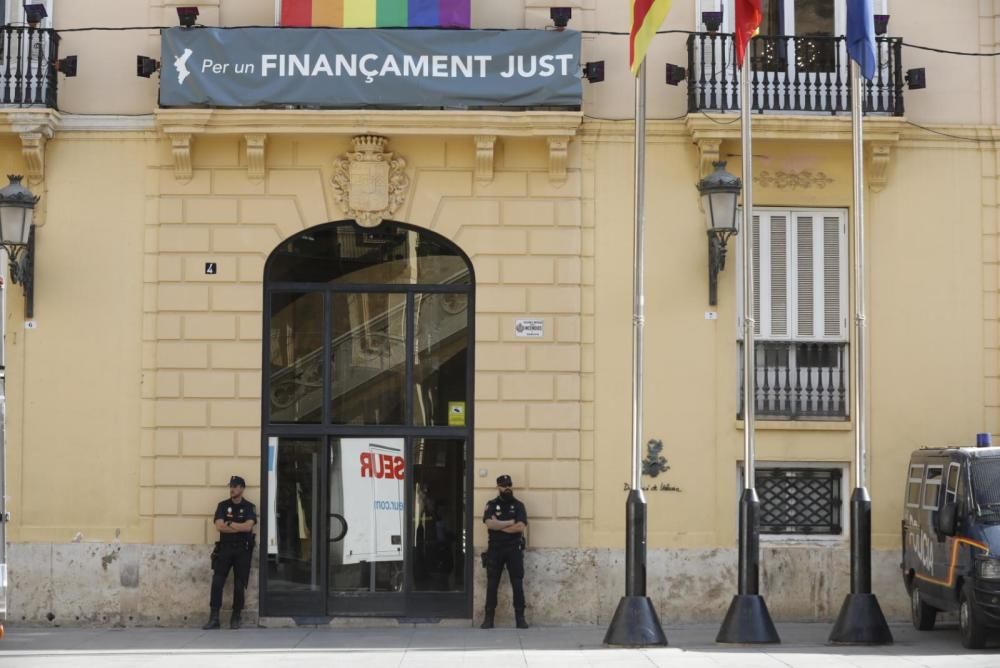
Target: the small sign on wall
(533, 328)
(211, 268)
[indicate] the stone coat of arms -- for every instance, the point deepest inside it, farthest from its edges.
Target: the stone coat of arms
(369, 183)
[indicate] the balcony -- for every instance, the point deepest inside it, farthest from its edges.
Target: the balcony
(790, 74)
(799, 380)
(28, 58)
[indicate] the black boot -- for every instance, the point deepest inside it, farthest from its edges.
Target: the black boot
(519, 618)
(213, 621)
(487, 620)
(234, 621)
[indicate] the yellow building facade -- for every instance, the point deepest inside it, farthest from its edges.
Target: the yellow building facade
(143, 379)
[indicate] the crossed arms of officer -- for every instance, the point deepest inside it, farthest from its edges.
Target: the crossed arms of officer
(506, 526)
(228, 526)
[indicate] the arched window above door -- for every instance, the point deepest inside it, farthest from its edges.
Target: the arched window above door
(368, 327)
(391, 254)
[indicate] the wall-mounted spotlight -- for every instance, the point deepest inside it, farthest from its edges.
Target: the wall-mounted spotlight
(719, 192)
(712, 20)
(187, 16)
(34, 13)
(881, 24)
(17, 237)
(916, 78)
(594, 71)
(561, 16)
(675, 74)
(145, 66)
(67, 66)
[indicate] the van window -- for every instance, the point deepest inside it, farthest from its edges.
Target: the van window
(932, 487)
(913, 485)
(951, 485)
(985, 473)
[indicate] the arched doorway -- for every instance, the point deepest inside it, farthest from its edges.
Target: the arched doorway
(367, 424)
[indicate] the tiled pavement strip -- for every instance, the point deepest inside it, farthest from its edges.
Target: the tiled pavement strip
(430, 646)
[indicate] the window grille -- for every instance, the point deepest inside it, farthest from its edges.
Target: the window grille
(800, 500)
(986, 482)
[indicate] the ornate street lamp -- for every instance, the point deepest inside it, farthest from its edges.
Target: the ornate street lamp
(719, 192)
(17, 236)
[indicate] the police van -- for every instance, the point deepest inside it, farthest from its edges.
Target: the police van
(951, 538)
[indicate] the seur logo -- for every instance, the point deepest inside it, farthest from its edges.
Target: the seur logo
(381, 466)
(180, 64)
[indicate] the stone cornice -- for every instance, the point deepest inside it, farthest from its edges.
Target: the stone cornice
(878, 129)
(34, 127)
(881, 134)
(15, 121)
(183, 126)
(379, 121)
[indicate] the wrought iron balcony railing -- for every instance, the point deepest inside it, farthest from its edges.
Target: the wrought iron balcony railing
(28, 58)
(799, 381)
(791, 74)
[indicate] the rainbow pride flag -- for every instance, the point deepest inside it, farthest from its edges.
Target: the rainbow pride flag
(376, 13)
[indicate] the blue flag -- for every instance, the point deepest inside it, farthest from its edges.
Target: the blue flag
(861, 36)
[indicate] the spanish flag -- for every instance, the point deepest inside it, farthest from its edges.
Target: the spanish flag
(748, 17)
(647, 17)
(376, 13)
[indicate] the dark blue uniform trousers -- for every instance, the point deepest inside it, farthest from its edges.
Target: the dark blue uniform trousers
(509, 557)
(237, 557)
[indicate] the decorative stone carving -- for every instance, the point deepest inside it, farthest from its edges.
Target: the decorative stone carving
(881, 134)
(878, 170)
(34, 127)
(485, 145)
(793, 180)
(369, 184)
(709, 150)
(33, 150)
(256, 156)
(558, 158)
(181, 146)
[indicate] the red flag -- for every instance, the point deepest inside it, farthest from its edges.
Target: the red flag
(748, 17)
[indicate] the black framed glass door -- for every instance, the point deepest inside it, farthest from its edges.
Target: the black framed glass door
(397, 526)
(367, 424)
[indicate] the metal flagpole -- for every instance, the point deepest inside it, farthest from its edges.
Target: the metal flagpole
(748, 620)
(860, 621)
(636, 623)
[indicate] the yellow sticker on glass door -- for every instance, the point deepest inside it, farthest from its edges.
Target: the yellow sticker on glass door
(456, 413)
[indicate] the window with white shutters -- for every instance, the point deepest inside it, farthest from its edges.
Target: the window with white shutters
(800, 275)
(800, 311)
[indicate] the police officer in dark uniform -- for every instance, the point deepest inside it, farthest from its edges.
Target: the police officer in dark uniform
(506, 519)
(235, 519)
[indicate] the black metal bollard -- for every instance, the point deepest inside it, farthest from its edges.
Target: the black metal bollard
(748, 620)
(861, 621)
(635, 623)
(749, 555)
(635, 544)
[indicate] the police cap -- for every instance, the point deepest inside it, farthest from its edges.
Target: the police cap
(237, 481)
(504, 481)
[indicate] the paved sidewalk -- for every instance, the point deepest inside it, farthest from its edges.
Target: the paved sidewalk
(431, 646)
